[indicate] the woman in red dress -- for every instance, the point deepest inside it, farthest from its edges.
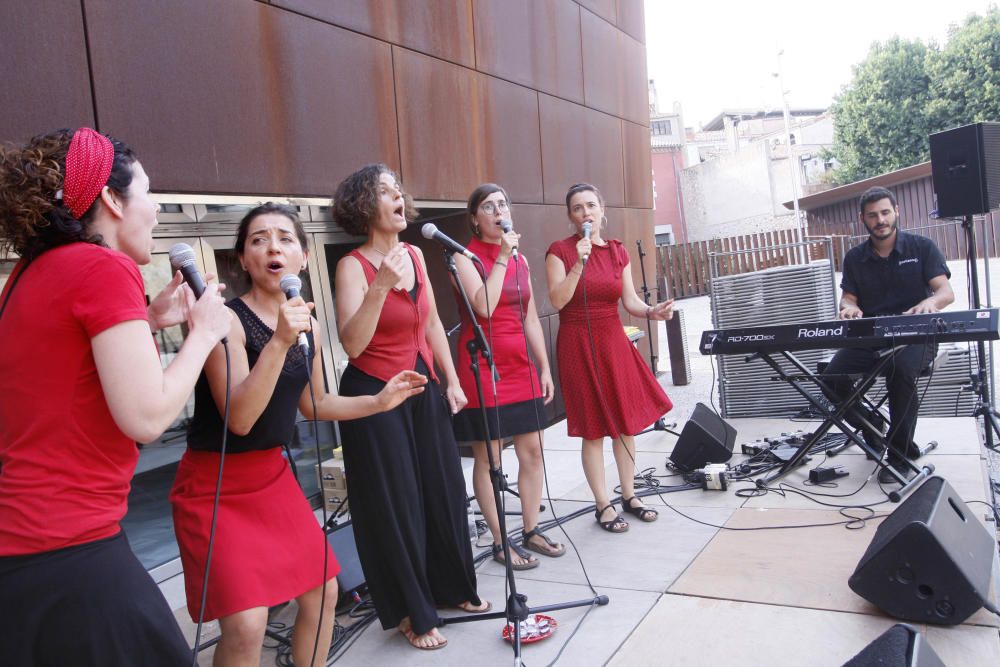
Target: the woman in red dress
(516, 405)
(614, 392)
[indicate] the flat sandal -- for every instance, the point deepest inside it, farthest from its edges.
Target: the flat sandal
(644, 513)
(554, 549)
(616, 525)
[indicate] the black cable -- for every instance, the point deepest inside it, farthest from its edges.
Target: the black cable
(541, 448)
(322, 497)
(215, 509)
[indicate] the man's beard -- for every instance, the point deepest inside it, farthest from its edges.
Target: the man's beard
(886, 233)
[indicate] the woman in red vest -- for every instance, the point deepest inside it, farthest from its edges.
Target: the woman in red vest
(404, 476)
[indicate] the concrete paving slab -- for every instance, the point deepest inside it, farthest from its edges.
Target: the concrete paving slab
(799, 567)
(687, 631)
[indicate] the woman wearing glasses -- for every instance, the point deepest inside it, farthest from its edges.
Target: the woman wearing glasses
(614, 392)
(502, 304)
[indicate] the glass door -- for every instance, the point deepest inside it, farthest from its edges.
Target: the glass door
(149, 524)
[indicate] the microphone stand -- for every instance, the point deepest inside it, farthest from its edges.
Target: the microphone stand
(516, 609)
(645, 297)
(980, 382)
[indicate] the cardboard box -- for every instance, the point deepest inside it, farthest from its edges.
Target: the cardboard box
(336, 502)
(331, 475)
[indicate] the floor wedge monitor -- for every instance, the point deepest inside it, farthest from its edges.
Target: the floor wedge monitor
(930, 560)
(705, 438)
(899, 646)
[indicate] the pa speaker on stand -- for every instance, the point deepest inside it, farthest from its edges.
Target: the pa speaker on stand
(965, 165)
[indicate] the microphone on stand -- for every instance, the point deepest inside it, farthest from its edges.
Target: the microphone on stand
(587, 230)
(506, 226)
(430, 231)
(182, 259)
(291, 286)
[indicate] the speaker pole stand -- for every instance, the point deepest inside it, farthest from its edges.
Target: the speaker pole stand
(980, 383)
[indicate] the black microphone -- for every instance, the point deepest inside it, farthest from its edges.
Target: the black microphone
(291, 286)
(430, 231)
(182, 259)
(587, 229)
(506, 226)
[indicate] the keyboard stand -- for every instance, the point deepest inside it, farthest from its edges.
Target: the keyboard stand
(835, 417)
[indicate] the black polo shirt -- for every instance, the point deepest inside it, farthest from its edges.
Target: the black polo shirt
(893, 284)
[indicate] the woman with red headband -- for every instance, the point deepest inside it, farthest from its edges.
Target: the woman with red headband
(81, 382)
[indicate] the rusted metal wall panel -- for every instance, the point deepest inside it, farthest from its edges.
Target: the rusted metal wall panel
(45, 83)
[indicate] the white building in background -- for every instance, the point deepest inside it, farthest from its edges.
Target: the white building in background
(738, 170)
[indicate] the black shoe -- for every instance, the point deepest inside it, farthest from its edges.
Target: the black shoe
(885, 476)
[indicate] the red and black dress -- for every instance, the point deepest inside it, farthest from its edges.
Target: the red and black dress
(518, 398)
(268, 548)
(618, 395)
(404, 476)
(71, 590)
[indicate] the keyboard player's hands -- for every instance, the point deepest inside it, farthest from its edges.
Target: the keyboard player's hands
(850, 313)
(924, 307)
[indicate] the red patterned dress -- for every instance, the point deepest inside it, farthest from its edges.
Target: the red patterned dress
(618, 395)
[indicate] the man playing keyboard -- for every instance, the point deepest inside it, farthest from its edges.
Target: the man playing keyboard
(892, 273)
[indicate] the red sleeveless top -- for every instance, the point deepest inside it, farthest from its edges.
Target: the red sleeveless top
(399, 334)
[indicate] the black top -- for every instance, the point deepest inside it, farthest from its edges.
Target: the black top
(893, 284)
(276, 424)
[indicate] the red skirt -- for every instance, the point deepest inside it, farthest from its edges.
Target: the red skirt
(268, 549)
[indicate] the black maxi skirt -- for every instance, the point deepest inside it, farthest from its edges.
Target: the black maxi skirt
(408, 505)
(91, 605)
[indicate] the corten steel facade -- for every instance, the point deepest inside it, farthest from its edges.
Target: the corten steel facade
(285, 98)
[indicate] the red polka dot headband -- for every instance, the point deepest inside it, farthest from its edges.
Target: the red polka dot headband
(88, 166)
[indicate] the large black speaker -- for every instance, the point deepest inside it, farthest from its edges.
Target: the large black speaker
(899, 646)
(930, 560)
(965, 163)
(705, 438)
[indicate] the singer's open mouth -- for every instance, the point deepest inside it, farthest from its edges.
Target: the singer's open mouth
(275, 266)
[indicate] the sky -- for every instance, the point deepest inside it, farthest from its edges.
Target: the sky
(714, 55)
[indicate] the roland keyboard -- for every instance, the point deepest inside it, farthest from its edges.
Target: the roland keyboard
(941, 327)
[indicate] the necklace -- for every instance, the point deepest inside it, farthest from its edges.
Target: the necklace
(378, 251)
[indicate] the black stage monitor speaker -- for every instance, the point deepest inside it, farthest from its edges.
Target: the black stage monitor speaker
(930, 561)
(705, 438)
(965, 163)
(899, 646)
(351, 579)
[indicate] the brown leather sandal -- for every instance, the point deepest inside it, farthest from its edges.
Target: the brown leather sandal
(550, 548)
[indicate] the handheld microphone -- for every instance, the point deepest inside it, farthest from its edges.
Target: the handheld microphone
(291, 286)
(587, 230)
(430, 231)
(182, 259)
(506, 226)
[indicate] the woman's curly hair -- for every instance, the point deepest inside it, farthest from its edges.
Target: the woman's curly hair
(355, 203)
(33, 218)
